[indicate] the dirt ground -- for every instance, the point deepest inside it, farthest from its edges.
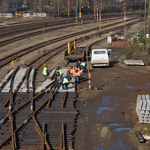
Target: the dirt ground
(107, 118)
(107, 115)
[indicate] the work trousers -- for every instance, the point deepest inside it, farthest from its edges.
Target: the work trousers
(84, 67)
(77, 78)
(45, 76)
(65, 86)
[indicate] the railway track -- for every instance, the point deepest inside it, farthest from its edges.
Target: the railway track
(36, 120)
(10, 40)
(41, 121)
(22, 52)
(14, 39)
(33, 25)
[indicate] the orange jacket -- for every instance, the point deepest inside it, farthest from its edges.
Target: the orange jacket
(72, 71)
(77, 73)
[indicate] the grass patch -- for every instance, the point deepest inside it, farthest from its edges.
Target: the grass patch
(144, 129)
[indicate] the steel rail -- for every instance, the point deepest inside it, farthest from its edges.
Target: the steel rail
(26, 78)
(46, 54)
(18, 86)
(26, 75)
(64, 99)
(54, 21)
(8, 41)
(16, 29)
(63, 145)
(53, 92)
(29, 117)
(12, 78)
(25, 104)
(6, 81)
(37, 46)
(8, 99)
(44, 141)
(14, 143)
(37, 25)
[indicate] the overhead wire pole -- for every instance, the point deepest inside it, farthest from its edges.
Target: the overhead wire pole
(58, 9)
(89, 75)
(145, 18)
(76, 11)
(124, 9)
(16, 9)
(100, 9)
(80, 10)
(149, 14)
(94, 10)
(97, 16)
(68, 8)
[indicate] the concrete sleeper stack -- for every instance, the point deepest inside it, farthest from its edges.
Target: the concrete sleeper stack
(143, 108)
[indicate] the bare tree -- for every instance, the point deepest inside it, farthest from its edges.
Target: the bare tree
(5, 6)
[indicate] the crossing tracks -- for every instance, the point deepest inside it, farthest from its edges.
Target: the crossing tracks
(29, 120)
(61, 48)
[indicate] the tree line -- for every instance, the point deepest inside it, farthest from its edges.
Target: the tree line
(51, 6)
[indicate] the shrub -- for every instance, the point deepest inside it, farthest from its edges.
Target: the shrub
(138, 50)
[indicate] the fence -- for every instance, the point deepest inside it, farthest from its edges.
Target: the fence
(6, 15)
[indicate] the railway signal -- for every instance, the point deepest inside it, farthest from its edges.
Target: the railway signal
(124, 9)
(94, 10)
(76, 11)
(100, 9)
(97, 16)
(80, 3)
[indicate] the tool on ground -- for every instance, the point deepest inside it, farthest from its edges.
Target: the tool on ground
(16, 60)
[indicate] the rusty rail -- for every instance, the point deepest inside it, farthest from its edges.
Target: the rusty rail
(52, 93)
(26, 78)
(29, 117)
(23, 106)
(54, 76)
(12, 77)
(14, 143)
(64, 99)
(8, 99)
(6, 81)
(63, 145)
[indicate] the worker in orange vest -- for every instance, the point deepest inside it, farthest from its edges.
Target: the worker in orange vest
(77, 75)
(72, 71)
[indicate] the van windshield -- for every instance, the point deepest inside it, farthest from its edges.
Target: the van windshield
(99, 52)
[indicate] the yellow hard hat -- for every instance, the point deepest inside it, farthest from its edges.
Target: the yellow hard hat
(44, 65)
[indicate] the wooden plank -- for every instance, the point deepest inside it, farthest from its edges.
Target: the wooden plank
(139, 136)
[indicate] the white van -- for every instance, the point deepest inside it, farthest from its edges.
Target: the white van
(99, 57)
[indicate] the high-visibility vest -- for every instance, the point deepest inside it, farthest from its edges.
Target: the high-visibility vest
(83, 64)
(65, 80)
(60, 72)
(77, 73)
(44, 71)
(72, 71)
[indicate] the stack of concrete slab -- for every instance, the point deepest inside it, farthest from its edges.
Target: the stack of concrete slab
(143, 108)
(134, 62)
